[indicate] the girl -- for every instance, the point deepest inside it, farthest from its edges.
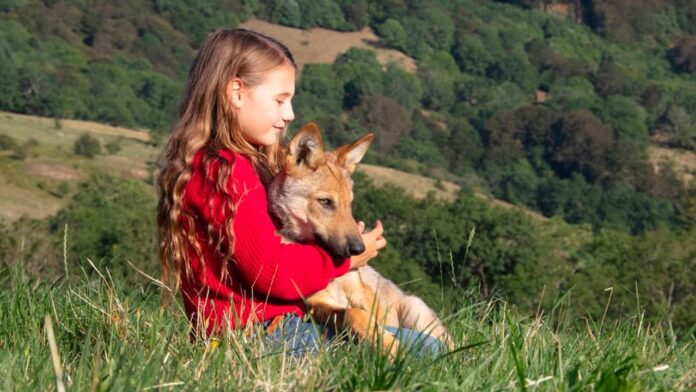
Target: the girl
(217, 240)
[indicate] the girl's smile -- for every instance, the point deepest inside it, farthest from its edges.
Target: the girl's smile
(265, 110)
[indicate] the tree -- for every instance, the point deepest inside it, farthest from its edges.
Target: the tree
(319, 91)
(356, 12)
(683, 55)
(324, 13)
(509, 135)
(360, 73)
(386, 118)
(393, 33)
(627, 118)
(580, 142)
(403, 87)
(111, 221)
(438, 79)
(463, 148)
(87, 146)
(682, 128)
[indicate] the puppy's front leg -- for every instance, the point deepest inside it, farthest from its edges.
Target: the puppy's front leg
(367, 328)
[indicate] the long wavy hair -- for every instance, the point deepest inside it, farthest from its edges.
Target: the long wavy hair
(206, 121)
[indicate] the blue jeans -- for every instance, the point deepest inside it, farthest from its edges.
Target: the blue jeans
(299, 337)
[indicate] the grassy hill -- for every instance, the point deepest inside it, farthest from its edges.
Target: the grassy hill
(44, 180)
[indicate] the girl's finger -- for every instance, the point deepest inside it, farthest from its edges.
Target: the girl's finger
(361, 227)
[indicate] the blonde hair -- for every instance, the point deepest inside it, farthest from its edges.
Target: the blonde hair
(206, 121)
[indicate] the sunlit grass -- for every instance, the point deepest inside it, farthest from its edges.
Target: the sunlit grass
(115, 337)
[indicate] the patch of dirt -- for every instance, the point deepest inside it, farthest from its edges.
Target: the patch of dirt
(52, 170)
(319, 45)
(682, 161)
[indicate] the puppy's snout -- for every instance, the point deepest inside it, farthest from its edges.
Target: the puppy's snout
(355, 246)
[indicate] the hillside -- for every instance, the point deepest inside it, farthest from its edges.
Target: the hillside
(33, 186)
(30, 184)
(322, 46)
(461, 100)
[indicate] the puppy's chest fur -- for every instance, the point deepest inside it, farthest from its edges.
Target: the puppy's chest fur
(363, 288)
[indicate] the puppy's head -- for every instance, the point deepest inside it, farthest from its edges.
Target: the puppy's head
(311, 197)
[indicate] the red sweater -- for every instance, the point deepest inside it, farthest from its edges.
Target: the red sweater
(265, 278)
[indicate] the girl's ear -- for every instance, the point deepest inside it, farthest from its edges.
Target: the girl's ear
(234, 93)
(307, 147)
(351, 154)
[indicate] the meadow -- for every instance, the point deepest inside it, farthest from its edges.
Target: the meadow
(84, 330)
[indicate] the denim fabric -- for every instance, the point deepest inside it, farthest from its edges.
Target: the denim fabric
(298, 337)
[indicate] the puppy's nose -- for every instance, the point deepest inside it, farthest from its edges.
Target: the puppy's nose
(355, 247)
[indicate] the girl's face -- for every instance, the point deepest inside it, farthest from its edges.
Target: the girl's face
(264, 110)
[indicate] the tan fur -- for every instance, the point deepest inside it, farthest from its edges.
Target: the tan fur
(361, 300)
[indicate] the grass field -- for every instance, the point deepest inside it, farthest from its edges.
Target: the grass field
(30, 185)
(91, 333)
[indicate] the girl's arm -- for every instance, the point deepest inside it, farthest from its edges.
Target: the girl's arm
(262, 261)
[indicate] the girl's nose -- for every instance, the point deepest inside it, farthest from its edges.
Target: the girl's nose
(288, 114)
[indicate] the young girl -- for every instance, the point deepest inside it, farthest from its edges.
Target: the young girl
(217, 240)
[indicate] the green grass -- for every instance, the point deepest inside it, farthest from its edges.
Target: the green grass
(115, 337)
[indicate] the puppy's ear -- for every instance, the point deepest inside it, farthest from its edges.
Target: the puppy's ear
(351, 154)
(307, 147)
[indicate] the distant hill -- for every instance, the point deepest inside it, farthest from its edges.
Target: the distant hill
(321, 46)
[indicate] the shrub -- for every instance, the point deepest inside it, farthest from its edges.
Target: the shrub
(7, 142)
(386, 118)
(113, 147)
(87, 146)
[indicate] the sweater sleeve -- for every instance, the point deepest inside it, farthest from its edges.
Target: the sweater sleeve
(268, 266)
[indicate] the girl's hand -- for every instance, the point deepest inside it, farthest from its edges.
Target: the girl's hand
(373, 240)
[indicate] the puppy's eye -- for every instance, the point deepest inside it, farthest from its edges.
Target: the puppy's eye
(325, 202)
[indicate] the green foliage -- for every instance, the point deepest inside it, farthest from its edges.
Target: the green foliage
(581, 143)
(306, 14)
(199, 18)
(87, 146)
(319, 91)
(681, 127)
(393, 33)
(464, 148)
(113, 147)
(627, 119)
(7, 142)
(438, 82)
(360, 74)
(111, 221)
(386, 118)
(403, 87)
